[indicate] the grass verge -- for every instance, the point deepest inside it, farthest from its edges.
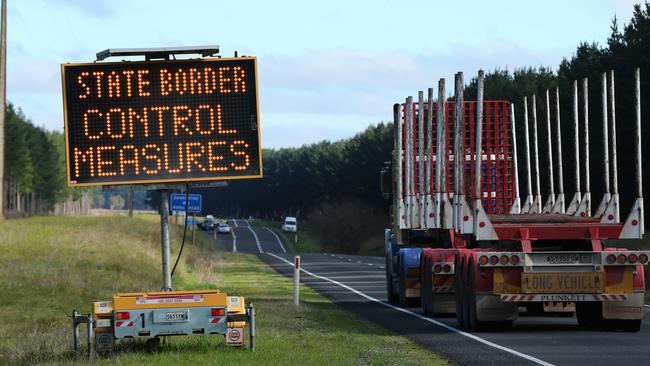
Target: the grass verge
(51, 265)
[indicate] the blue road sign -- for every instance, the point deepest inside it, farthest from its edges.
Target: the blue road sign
(178, 202)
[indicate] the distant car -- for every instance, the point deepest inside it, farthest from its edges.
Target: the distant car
(207, 224)
(223, 228)
(290, 225)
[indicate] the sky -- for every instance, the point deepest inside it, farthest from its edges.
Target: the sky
(327, 70)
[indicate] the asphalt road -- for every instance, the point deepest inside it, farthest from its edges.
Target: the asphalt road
(358, 284)
(247, 239)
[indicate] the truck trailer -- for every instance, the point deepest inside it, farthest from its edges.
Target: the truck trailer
(462, 242)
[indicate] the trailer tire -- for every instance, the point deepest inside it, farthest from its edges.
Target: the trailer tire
(625, 325)
(472, 322)
(426, 287)
(589, 314)
(391, 294)
(460, 292)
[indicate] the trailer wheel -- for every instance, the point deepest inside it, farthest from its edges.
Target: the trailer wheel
(152, 344)
(624, 325)
(426, 288)
(391, 294)
(472, 322)
(589, 314)
(459, 292)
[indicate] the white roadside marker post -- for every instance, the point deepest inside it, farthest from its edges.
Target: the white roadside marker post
(296, 280)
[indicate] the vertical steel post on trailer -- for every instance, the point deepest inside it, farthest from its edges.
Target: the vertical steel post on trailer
(528, 203)
(459, 150)
(634, 226)
(606, 195)
(613, 208)
(478, 142)
(408, 121)
(441, 212)
(420, 158)
(584, 209)
(559, 199)
(537, 200)
(548, 206)
(516, 205)
(577, 196)
(164, 238)
(399, 156)
(639, 173)
(431, 221)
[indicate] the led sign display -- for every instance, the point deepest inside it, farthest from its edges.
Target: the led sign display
(161, 121)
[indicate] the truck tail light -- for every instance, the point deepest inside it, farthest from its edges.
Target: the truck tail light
(437, 268)
(632, 258)
(446, 268)
(218, 312)
(643, 258)
(123, 316)
(611, 259)
(494, 259)
(622, 258)
(514, 259)
(483, 260)
(503, 259)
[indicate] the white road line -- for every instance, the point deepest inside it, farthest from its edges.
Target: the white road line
(235, 222)
(234, 241)
(278, 239)
(248, 224)
(647, 306)
(432, 321)
(257, 240)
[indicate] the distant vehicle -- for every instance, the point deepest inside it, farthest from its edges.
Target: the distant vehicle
(223, 228)
(290, 225)
(207, 224)
(209, 217)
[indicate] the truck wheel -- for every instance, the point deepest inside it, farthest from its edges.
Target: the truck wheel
(472, 323)
(426, 288)
(589, 314)
(460, 293)
(624, 325)
(390, 291)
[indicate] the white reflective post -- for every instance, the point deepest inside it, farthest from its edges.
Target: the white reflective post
(296, 280)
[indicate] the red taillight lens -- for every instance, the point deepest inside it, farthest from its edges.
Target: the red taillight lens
(483, 260)
(218, 312)
(503, 259)
(446, 268)
(514, 259)
(123, 316)
(643, 259)
(622, 258)
(437, 268)
(632, 258)
(494, 259)
(611, 259)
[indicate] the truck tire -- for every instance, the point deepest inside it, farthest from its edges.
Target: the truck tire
(589, 314)
(426, 287)
(472, 322)
(624, 325)
(459, 290)
(391, 294)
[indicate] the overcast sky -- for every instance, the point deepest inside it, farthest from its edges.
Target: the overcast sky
(327, 69)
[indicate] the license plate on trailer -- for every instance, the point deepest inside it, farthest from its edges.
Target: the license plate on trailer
(568, 258)
(572, 282)
(176, 316)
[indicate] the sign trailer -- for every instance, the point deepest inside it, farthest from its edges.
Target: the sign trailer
(158, 123)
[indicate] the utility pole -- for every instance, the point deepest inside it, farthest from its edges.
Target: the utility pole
(3, 103)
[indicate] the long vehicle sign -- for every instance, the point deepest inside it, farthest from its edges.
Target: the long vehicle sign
(161, 121)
